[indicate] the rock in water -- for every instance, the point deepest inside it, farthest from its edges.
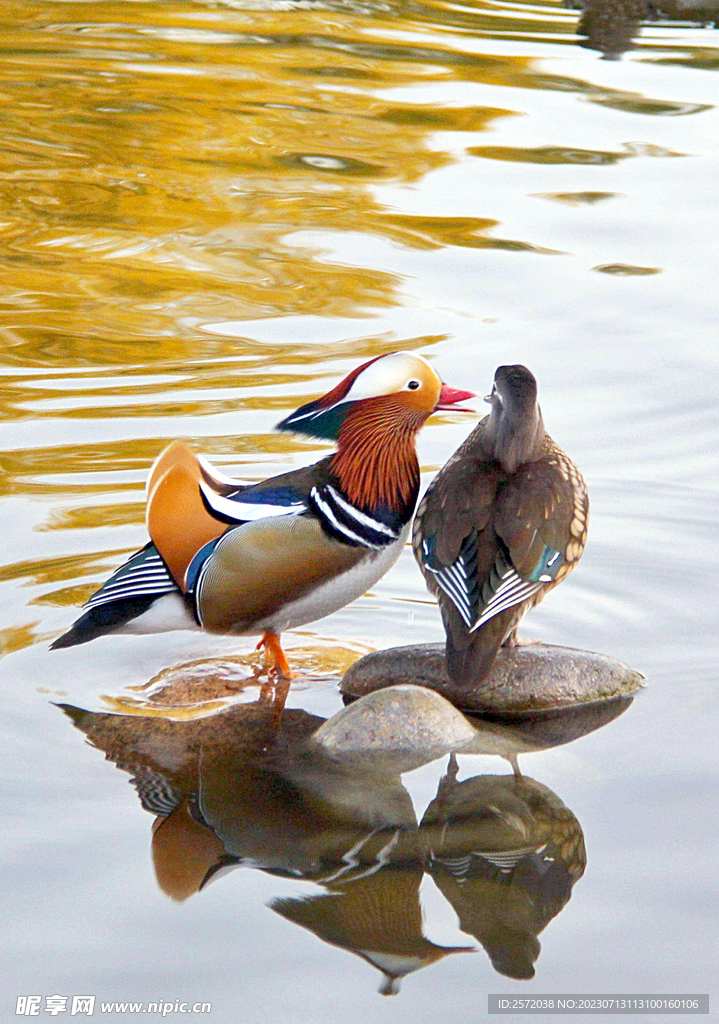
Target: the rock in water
(405, 719)
(535, 677)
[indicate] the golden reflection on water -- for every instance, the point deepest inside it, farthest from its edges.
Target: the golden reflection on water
(154, 168)
(157, 160)
(170, 166)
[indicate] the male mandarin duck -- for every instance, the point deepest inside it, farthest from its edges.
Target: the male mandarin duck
(502, 523)
(260, 558)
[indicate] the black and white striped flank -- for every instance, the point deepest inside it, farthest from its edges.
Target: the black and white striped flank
(344, 522)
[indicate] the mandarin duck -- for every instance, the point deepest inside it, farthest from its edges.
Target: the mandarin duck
(501, 524)
(259, 558)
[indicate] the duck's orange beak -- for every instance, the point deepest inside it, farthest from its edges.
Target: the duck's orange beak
(448, 398)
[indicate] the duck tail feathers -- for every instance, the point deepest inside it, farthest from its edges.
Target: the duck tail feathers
(128, 593)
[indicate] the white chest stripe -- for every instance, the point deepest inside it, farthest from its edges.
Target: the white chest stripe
(361, 517)
(326, 511)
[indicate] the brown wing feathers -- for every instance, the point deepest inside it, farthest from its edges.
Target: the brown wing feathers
(529, 529)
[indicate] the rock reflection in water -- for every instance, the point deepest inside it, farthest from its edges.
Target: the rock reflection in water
(237, 788)
(611, 26)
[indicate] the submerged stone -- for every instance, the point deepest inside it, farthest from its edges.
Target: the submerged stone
(531, 678)
(402, 719)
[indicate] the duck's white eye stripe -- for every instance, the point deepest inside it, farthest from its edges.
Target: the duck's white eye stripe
(388, 375)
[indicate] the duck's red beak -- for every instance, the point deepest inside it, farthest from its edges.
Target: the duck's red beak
(448, 398)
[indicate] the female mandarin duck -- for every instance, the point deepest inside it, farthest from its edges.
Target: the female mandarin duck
(501, 524)
(244, 558)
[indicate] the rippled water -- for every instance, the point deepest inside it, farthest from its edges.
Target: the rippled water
(210, 212)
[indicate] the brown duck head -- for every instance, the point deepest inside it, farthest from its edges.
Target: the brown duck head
(516, 428)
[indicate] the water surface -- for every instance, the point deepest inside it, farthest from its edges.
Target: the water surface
(209, 212)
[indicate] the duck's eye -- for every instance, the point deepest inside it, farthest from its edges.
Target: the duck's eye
(413, 385)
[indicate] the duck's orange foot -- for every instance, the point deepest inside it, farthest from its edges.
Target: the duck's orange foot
(275, 654)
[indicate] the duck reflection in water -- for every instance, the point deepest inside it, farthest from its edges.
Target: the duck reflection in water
(234, 789)
(506, 854)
